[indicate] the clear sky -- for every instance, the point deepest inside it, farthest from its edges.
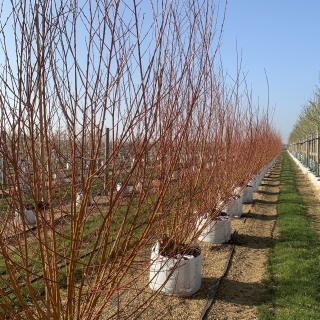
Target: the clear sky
(279, 38)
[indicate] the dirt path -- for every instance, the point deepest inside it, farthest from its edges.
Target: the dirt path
(241, 285)
(240, 288)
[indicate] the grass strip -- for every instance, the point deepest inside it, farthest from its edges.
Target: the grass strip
(293, 265)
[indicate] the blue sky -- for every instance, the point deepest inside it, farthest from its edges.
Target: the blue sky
(279, 38)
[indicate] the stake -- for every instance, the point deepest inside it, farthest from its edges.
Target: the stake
(42, 151)
(107, 163)
(40, 108)
(4, 169)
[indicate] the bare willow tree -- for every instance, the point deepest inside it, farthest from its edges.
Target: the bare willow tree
(79, 68)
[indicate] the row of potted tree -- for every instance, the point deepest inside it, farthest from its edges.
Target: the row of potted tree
(155, 85)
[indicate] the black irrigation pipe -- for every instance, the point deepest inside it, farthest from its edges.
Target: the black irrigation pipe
(214, 289)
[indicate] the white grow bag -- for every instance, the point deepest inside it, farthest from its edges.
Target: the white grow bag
(260, 178)
(218, 231)
(177, 276)
(118, 186)
(79, 199)
(255, 182)
(175, 175)
(234, 207)
(127, 190)
(60, 176)
(317, 183)
(247, 195)
(28, 217)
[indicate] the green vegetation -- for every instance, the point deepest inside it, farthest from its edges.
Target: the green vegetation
(294, 259)
(91, 227)
(3, 205)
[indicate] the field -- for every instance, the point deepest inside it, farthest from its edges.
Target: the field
(238, 277)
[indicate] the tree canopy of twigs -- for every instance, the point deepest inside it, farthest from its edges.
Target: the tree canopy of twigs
(308, 121)
(179, 141)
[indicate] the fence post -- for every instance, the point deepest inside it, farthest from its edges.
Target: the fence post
(317, 151)
(308, 151)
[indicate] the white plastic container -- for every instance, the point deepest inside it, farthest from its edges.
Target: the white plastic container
(59, 175)
(23, 186)
(237, 191)
(317, 183)
(179, 276)
(259, 178)
(28, 217)
(247, 195)
(174, 175)
(128, 190)
(138, 187)
(118, 186)
(234, 207)
(218, 231)
(255, 183)
(79, 199)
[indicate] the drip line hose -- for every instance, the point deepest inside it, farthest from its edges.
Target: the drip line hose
(214, 289)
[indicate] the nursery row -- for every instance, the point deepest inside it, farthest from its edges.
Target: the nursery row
(311, 174)
(180, 275)
(182, 145)
(304, 139)
(307, 151)
(186, 277)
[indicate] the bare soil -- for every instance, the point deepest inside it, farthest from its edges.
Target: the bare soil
(241, 288)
